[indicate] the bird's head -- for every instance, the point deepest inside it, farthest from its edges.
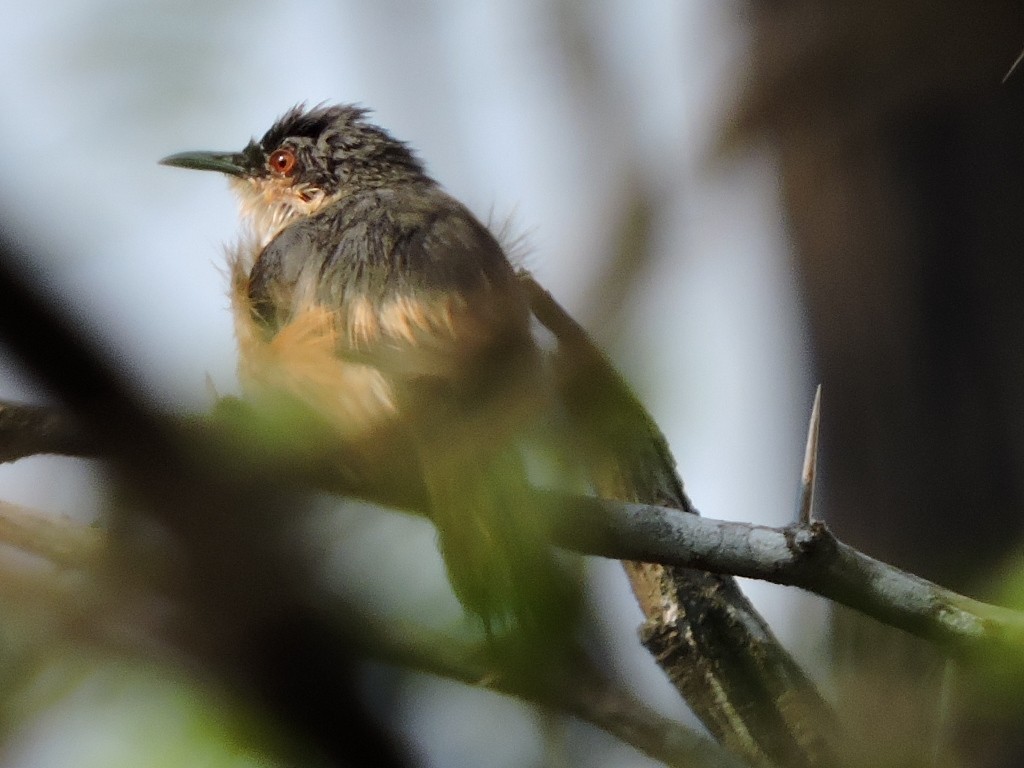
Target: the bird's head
(308, 159)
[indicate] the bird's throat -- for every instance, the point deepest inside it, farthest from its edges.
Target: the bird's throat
(268, 205)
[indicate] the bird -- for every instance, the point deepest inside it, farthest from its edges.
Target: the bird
(363, 291)
(366, 294)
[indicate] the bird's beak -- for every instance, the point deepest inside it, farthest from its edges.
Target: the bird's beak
(225, 162)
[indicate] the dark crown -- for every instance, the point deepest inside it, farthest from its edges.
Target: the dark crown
(337, 143)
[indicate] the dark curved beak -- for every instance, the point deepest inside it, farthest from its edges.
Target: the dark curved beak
(225, 162)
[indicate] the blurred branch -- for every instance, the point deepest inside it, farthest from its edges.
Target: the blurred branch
(63, 542)
(248, 626)
(26, 430)
(99, 609)
(585, 694)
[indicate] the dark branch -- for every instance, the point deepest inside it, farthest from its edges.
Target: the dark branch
(27, 430)
(809, 557)
(174, 482)
(590, 698)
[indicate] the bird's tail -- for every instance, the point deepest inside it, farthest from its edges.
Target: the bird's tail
(495, 543)
(474, 447)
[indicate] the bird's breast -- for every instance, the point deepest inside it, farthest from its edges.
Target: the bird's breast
(379, 296)
(304, 359)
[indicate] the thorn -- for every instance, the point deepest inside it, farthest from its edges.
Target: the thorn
(810, 470)
(1013, 67)
(211, 388)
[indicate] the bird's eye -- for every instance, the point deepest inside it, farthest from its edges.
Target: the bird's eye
(282, 161)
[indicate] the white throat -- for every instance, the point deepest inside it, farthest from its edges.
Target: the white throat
(268, 205)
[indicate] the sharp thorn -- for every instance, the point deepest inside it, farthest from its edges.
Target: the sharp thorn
(810, 470)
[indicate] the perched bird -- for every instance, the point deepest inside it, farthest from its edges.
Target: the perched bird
(371, 297)
(365, 292)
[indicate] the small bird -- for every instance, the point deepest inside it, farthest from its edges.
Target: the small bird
(365, 292)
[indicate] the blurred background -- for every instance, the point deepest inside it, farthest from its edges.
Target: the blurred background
(737, 199)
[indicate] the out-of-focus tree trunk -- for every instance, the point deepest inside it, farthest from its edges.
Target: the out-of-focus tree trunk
(902, 163)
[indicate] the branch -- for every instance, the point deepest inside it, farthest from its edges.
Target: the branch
(93, 608)
(590, 698)
(805, 555)
(27, 430)
(61, 541)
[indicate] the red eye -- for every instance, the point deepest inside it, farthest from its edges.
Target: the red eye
(282, 161)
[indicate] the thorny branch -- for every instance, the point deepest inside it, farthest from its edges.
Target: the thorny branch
(805, 555)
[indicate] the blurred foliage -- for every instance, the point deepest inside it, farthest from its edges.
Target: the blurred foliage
(93, 711)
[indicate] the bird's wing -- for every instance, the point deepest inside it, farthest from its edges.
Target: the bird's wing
(415, 290)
